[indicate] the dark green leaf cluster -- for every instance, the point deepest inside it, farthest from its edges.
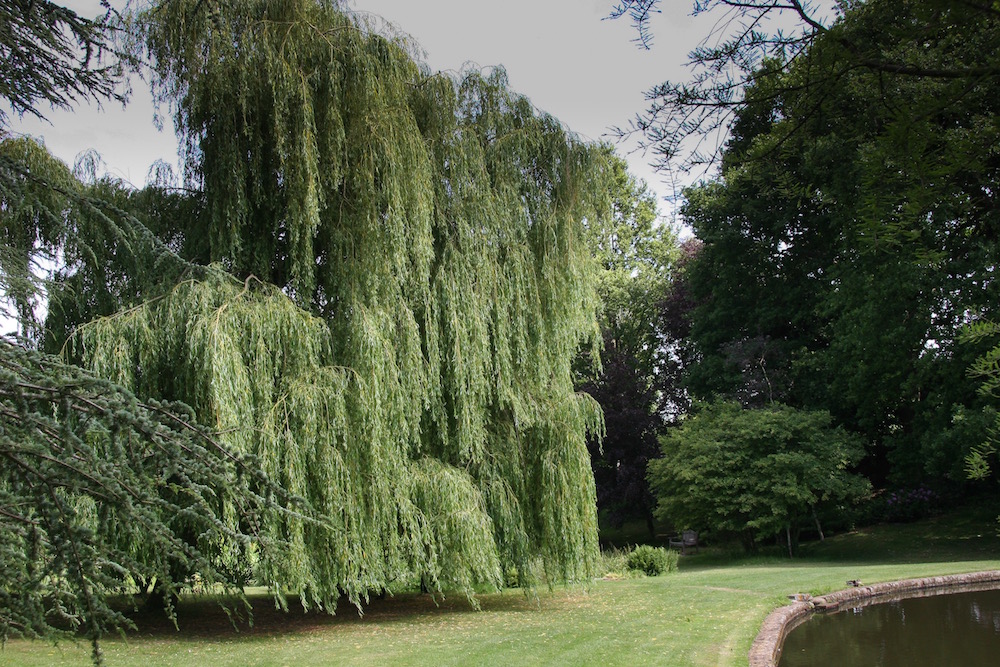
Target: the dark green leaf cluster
(688, 123)
(986, 369)
(851, 235)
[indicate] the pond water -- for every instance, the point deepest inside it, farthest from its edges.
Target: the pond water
(940, 631)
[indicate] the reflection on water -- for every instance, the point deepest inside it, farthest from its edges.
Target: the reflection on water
(940, 631)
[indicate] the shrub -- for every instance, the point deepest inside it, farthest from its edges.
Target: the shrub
(901, 506)
(652, 560)
(614, 564)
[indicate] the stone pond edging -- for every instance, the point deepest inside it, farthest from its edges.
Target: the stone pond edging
(766, 648)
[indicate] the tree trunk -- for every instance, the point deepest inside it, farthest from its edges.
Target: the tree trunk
(822, 537)
(159, 601)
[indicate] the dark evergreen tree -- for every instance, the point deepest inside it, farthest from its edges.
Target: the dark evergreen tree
(50, 55)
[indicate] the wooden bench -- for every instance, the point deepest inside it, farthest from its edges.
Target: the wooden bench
(689, 538)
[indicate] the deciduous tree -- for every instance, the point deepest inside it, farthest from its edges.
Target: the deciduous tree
(755, 473)
(687, 123)
(849, 237)
(638, 386)
(413, 281)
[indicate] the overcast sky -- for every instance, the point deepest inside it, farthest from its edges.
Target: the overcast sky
(583, 70)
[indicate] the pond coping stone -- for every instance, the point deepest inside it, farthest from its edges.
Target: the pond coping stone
(766, 648)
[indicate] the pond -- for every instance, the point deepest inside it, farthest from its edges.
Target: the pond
(949, 629)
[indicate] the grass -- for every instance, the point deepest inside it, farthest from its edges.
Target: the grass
(706, 614)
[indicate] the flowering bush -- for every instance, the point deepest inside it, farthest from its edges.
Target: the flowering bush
(903, 505)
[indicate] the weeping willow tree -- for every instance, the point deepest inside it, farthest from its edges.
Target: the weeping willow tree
(403, 283)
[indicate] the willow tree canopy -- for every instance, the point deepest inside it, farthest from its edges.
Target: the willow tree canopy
(406, 283)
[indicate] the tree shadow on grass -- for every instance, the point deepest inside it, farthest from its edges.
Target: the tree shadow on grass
(205, 616)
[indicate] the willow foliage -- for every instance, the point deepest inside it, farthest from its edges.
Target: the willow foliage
(71, 245)
(412, 284)
(33, 204)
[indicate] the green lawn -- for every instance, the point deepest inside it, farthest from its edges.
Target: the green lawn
(707, 614)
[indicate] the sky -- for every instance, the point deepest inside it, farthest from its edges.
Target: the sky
(561, 54)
